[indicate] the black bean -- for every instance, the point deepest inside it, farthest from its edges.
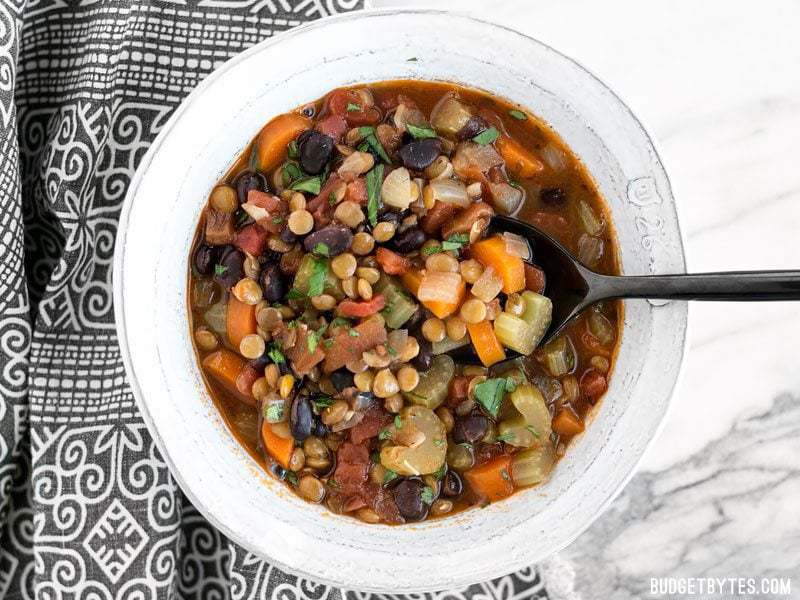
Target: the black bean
(301, 418)
(471, 128)
(320, 429)
(335, 238)
(205, 258)
(278, 471)
(288, 236)
(259, 363)
(553, 196)
(420, 154)
(274, 283)
(249, 180)
(422, 361)
(409, 240)
(470, 429)
(342, 379)
(416, 319)
(452, 485)
(408, 497)
(315, 151)
(230, 267)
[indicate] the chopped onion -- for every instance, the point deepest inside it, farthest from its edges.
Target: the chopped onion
(396, 189)
(601, 328)
(449, 115)
(532, 466)
(396, 342)
(404, 115)
(255, 212)
(558, 356)
(471, 160)
(590, 250)
(449, 190)
(506, 198)
(591, 222)
(554, 157)
(517, 245)
(440, 286)
(354, 420)
(488, 285)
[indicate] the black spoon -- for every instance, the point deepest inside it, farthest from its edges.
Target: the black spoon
(573, 287)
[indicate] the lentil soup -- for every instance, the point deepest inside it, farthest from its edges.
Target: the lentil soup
(346, 253)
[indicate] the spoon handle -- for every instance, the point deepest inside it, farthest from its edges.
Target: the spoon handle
(733, 286)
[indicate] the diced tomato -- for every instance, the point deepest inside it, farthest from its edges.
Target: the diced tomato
(459, 387)
(334, 126)
(375, 419)
(391, 262)
(352, 468)
(251, 239)
(438, 216)
(534, 279)
(357, 191)
(356, 310)
(593, 384)
(265, 200)
(344, 103)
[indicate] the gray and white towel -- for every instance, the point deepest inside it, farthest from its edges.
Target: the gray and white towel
(88, 507)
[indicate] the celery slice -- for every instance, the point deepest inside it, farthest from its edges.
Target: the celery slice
(514, 333)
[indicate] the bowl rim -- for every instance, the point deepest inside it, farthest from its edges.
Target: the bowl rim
(122, 230)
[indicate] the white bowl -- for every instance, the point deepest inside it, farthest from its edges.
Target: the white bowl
(161, 211)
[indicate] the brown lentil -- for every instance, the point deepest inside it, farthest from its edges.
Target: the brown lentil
(206, 339)
(456, 328)
(344, 265)
(335, 412)
(394, 403)
(286, 385)
(223, 199)
(297, 202)
(364, 289)
(441, 507)
(349, 287)
(300, 222)
(446, 417)
(442, 262)
(385, 384)
(407, 378)
(363, 380)
(248, 291)
(323, 302)
(271, 374)
(473, 311)
(260, 388)
(363, 243)
(371, 274)
(297, 460)
(367, 515)
(349, 213)
(383, 231)
(311, 488)
(252, 346)
(471, 270)
(433, 330)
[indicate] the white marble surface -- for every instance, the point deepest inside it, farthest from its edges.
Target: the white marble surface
(718, 83)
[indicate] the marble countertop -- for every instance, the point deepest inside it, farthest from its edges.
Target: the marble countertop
(718, 83)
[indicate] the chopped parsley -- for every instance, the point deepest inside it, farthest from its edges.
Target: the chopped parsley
(440, 472)
(420, 133)
(273, 412)
(313, 338)
(455, 241)
(276, 355)
(277, 219)
(374, 182)
(398, 422)
(316, 282)
(439, 442)
(533, 431)
(312, 185)
(412, 59)
(340, 322)
(490, 393)
(322, 402)
(368, 133)
(334, 484)
(389, 476)
(353, 107)
(295, 294)
(427, 495)
(486, 137)
(328, 343)
(322, 249)
(352, 333)
(385, 434)
(506, 437)
(219, 270)
(391, 350)
(291, 477)
(292, 149)
(332, 199)
(290, 172)
(518, 115)
(428, 250)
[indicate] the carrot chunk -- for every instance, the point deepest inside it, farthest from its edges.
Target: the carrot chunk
(229, 369)
(278, 448)
(241, 320)
(391, 262)
(567, 423)
(518, 160)
(275, 136)
(491, 252)
(412, 279)
(486, 343)
(492, 480)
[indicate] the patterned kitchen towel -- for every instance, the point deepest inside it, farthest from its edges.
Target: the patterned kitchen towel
(87, 506)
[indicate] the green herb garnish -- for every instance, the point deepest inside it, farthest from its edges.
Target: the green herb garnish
(427, 495)
(374, 182)
(398, 422)
(385, 434)
(391, 351)
(412, 59)
(533, 431)
(340, 322)
(313, 338)
(311, 185)
(332, 199)
(352, 333)
(273, 412)
(518, 115)
(490, 393)
(295, 294)
(440, 472)
(322, 402)
(277, 219)
(389, 476)
(334, 484)
(455, 241)
(276, 355)
(486, 136)
(316, 282)
(420, 133)
(291, 477)
(368, 133)
(353, 107)
(290, 172)
(428, 250)
(292, 149)
(219, 270)
(506, 437)
(439, 443)
(328, 343)
(322, 249)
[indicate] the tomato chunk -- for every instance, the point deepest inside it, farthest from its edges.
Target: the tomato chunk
(356, 310)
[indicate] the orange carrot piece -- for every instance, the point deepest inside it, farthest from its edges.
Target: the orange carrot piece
(391, 262)
(275, 136)
(226, 367)
(567, 423)
(241, 320)
(486, 343)
(518, 160)
(491, 252)
(492, 480)
(412, 279)
(278, 448)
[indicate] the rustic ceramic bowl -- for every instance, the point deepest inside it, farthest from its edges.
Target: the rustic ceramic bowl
(196, 147)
